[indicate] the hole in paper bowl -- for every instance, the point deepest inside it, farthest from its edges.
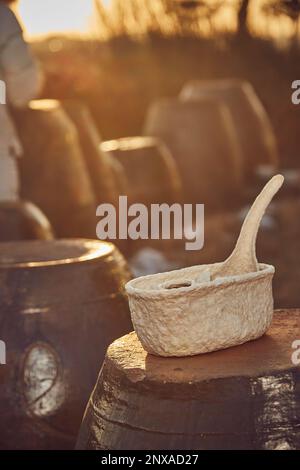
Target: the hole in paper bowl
(177, 285)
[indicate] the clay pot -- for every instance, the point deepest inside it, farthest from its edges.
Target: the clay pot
(61, 304)
(146, 173)
(150, 171)
(22, 220)
(245, 397)
(53, 171)
(100, 171)
(202, 140)
(254, 130)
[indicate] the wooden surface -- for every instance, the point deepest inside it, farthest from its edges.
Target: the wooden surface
(271, 353)
(246, 397)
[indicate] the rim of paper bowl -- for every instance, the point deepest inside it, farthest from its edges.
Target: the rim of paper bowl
(133, 289)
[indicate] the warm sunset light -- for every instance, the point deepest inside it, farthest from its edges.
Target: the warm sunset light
(78, 17)
(149, 229)
(71, 16)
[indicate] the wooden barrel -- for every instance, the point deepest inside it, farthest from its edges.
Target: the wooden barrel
(100, 171)
(246, 397)
(22, 220)
(202, 140)
(150, 170)
(254, 129)
(61, 304)
(53, 172)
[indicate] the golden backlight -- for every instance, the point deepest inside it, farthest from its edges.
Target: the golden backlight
(55, 16)
(78, 16)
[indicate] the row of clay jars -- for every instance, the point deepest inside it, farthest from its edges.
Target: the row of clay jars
(218, 133)
(61, 304)
(213, 131)
(67, 172)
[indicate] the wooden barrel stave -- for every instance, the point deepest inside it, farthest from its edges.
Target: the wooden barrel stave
(223, 400)
(57, 317)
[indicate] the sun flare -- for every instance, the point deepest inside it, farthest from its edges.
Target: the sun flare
(55, 16)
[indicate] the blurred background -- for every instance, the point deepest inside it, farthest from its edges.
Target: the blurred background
(167, 69)
(138, 50)
(163, 101)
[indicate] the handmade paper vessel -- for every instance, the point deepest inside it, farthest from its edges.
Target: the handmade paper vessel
(182, 313)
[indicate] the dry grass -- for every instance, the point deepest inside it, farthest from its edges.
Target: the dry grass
(197, 18)
(165, 17)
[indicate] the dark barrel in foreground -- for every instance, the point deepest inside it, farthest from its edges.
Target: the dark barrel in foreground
(246, 397)
(61, 304)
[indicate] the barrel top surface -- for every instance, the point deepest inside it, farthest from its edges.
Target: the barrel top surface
(53, 252)
(267, 355)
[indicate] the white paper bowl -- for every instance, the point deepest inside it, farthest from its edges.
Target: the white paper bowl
(200, 317)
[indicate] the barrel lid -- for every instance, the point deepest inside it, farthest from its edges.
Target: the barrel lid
(270, 354)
